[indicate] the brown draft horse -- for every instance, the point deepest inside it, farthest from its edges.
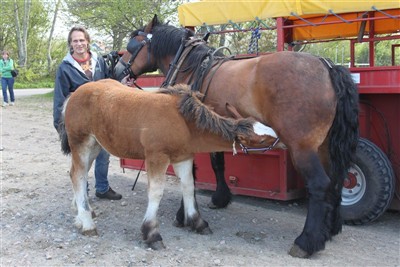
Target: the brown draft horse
(165, 127)
(310, 103)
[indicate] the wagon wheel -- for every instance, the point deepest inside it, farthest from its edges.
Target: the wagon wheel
(369, 187)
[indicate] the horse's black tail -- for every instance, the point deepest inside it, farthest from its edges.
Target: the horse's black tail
(65, 148)
(344, 131)
(343, 135)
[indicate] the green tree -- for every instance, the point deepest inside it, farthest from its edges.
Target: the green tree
(118, 18)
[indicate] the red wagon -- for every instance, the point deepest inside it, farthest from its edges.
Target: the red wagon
(373, 183)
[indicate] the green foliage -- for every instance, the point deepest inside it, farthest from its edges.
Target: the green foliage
(45, 82)
(47, 96)
(118, 18)
(383, 54)
(339, 52)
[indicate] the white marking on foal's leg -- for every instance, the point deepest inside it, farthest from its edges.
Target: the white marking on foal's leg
(155, 193)
(262, 129)
(83, 219)
(149, 227)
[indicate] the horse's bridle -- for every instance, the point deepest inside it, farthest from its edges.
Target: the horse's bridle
(134, 48)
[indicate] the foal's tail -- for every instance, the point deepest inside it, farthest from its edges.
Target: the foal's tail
(343, 136)
(65, 148)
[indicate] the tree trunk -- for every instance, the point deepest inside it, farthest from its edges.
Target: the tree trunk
(22, 31)
(18, 33)
(51, 36)
(25, 24)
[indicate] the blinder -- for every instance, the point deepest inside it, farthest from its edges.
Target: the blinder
(134, 48)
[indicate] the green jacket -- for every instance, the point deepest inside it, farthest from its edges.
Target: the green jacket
(6, 67)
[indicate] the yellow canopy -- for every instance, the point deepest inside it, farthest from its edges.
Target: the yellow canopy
(213, 12)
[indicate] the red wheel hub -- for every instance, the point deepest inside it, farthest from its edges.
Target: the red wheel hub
(350, 181)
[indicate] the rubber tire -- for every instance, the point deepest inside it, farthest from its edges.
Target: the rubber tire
(379, 180)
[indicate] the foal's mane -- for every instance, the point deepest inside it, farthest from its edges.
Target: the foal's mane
(192, 109)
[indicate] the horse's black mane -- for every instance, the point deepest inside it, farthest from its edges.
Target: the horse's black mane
(166, 41)
(192, 109)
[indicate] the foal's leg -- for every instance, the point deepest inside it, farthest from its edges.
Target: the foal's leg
(156, 169)
(222, 195)
(318, 225)
(183, 171)
(81, 161)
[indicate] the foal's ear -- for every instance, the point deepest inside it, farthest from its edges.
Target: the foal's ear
(232, 111)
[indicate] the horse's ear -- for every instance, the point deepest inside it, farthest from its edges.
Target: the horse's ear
(154, 22)
(232, 111)
(205, 37)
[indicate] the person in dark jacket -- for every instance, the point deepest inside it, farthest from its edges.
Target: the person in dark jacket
(78, 67)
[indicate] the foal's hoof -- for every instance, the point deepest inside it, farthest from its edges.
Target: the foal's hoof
(91, 232)
(157, 245)
(297, 252)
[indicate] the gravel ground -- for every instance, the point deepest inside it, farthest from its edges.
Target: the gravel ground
(37, 220)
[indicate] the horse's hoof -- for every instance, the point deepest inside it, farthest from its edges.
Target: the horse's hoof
(205, 231)
(178, 224)
(93, 214)
(157, 245)
(297, 252)
(212, 206)
(91, 232)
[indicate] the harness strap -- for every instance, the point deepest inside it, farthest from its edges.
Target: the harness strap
(218, 65)
(184, 50)
(172, 66)
(327, 62)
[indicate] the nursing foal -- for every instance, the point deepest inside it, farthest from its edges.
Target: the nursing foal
(164, 127)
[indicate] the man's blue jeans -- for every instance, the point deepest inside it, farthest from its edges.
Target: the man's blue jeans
(7, 82)
(101, 171)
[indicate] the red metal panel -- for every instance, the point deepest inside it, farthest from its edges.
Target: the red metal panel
(269, 175)
(150, 80)
(378, 80)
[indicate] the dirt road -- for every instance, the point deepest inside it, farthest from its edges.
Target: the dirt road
(37, 221)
